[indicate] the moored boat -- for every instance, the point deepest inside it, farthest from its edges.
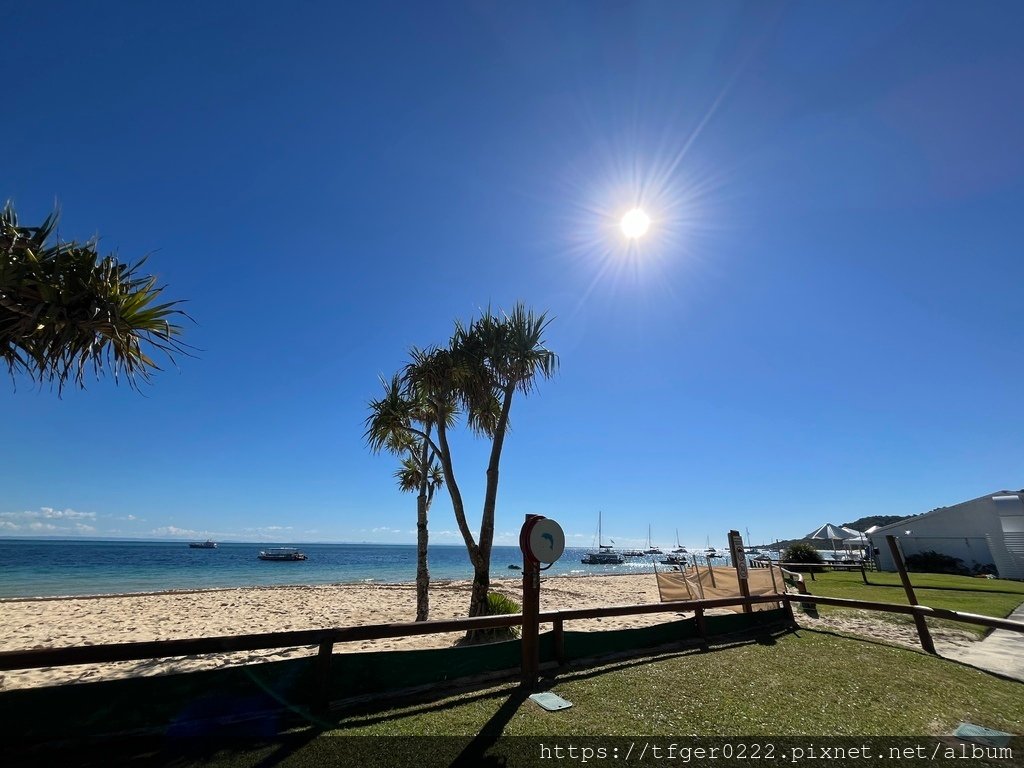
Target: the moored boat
(282, 553)
(651, 548)
(604, 554)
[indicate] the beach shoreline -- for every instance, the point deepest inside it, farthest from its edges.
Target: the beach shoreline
(57, 622)
(217, 612)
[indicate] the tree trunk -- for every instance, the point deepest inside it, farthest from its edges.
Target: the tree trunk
(422, 569)
(478, 597)
(482, 564)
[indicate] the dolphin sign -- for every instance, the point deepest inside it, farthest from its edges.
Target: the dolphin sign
(543, 540)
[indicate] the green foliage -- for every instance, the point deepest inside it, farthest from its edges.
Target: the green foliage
(802, 553)
(499, 605)
(936, 562)
(66, 310)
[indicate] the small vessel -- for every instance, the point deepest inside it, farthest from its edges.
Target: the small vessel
(674, 559)
(514, 567)
(633, 553)
(604, 554)
(651, 549)
(282, 553)
(202, 544)
(680, 549)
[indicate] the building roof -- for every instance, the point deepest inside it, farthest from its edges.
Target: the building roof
(1019, 495)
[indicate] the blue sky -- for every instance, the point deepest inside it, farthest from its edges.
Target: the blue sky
(824, 321)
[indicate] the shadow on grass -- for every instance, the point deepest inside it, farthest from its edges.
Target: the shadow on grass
(273, 738)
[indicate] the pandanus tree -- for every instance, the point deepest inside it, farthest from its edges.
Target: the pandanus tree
(486, 363)
(400, 423)
(66, 310)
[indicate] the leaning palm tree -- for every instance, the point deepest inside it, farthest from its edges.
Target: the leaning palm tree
(484, 365)
(66, 310)
(400, 423)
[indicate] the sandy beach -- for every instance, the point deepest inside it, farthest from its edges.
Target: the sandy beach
(62, 622)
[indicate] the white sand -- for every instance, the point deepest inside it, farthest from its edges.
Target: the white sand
(56, 623)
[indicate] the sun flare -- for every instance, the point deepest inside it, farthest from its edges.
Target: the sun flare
(635, 224)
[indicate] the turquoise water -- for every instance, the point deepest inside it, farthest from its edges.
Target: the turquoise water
(45, 568)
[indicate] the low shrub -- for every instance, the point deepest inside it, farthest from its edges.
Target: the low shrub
(802, 553)
(497, 605)
(936, 562)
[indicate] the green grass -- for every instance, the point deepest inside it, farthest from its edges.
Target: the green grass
(807, 683)
(989, 597)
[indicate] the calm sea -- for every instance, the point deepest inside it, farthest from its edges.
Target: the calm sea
(44, 568)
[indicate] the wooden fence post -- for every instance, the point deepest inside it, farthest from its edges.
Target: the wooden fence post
(530, 640)
(322, 677)
(558, 632)
(922, 627)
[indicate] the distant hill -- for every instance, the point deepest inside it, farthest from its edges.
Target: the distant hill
(863, 523)
(860, 524)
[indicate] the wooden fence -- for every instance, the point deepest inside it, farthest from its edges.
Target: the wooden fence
(325, 639)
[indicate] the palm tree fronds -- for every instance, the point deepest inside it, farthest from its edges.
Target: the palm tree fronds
(64, 310)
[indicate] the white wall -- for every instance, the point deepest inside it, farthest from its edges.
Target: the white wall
(972, 531)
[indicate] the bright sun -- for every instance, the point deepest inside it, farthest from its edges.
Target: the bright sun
(635, 224)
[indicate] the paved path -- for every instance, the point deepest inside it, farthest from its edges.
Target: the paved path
(1002, 651)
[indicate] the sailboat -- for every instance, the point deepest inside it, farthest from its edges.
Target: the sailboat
(680, 549)
(651, 549)
(710, 551)
(604, 554)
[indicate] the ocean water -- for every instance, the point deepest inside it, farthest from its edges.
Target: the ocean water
(46, 568)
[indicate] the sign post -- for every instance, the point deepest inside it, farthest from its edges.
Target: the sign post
(542, 541)
(739, 561)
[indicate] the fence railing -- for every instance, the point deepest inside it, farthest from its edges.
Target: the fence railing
(158, 649)
(325, 639)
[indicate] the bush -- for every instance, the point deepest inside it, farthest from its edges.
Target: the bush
(936, 562)
(497, 605)
(802, 553)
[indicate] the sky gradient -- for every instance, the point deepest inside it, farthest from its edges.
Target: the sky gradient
(823, 323)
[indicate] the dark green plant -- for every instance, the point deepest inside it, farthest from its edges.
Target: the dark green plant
(802, 553)
(500, 605)
(931, 561)
(66, 310)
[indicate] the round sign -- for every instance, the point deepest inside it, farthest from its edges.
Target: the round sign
(546, 541)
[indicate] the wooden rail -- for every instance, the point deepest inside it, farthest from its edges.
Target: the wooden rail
(912, 610)
(813, 568)
(325, 639)
(158, 649)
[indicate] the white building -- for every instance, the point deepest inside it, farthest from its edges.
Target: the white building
(985, 531)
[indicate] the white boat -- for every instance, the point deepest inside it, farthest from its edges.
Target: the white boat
(651, 549)
(282, 553)
(604, 554)
(680, 549)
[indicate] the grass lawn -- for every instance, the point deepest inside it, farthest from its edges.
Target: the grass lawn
(803, 683)
(989, 597)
